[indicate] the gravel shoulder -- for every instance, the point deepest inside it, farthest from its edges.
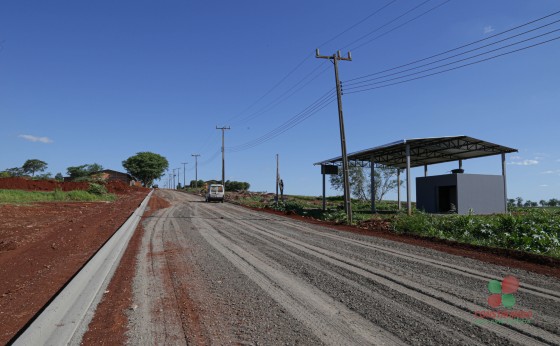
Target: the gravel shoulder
(212, 273)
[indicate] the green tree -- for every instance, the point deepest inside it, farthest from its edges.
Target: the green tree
(83, 170)
(519, 201)
(146, 167)
(236, 185)
(59, 177)
(360, 181)
(553, 202)
(15, 172)
(543, 203)
(34, 165)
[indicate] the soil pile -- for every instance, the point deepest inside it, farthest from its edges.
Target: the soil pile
(117, 187)
(40, 185)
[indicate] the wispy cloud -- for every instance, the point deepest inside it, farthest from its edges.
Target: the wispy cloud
(543, 185)
(551, 172)
(488, 29)
(31, 138)
(525, 163)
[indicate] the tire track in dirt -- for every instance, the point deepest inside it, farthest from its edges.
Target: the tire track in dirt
(443, 301)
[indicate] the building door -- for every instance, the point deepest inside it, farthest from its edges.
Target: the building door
(447, 199)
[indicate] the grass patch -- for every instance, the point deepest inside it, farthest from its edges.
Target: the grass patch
(23, 197)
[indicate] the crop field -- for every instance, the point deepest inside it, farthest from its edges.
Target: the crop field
(532, 230)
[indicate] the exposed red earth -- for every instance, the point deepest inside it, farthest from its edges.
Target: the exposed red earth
(43, 245)
(110, 322)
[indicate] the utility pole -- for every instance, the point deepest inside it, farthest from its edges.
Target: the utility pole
(277, 177)
(178, 177)
(335, 58)
(195, 169)
(173, 181)
(223, 153)
(184, 170)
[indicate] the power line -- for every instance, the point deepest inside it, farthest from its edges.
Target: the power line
(358, 23)
(280, 99)
(316, 106)
(392, 21)
(307, 57)
(320, 105)
(458, 67)
(447, 64)
(457, 48)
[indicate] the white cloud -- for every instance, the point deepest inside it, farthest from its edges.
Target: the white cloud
(36, 139)
(515, 157)
(488, 29)
(543, 185)
(551, 172)
(525, 163)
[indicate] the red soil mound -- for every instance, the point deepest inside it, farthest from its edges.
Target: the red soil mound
(117, 187)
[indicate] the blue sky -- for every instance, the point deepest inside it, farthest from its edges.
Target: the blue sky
(98, 81)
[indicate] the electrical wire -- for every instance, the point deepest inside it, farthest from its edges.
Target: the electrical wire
(307, 57)
(443, 65)
(457, 67)
(310, 110)
(358, 23)
(280, 99)
(457, 48)
(392, 21)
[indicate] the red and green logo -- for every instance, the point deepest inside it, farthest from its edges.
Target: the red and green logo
(502, 292)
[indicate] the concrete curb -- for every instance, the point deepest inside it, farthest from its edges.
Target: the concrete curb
(67, 317)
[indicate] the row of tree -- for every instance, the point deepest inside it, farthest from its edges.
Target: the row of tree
(31, 167)
(144, 166)
(519, 202)
(229, 185)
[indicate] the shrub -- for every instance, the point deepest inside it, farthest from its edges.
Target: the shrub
(97, 189)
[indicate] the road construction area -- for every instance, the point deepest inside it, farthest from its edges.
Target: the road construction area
(213, 273)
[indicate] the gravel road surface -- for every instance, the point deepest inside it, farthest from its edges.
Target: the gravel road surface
(213, 273)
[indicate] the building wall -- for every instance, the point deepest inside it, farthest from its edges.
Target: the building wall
(484, 194)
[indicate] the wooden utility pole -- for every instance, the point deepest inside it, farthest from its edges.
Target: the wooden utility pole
(195, 169)
(223, 153)
(277, 177)
(184, 170)
(335, 58)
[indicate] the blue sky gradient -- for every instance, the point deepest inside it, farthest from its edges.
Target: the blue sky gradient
(103, 80)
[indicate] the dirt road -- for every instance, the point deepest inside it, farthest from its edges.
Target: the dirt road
(220, 274)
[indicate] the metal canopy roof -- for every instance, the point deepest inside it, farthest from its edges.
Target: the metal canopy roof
(424, 151)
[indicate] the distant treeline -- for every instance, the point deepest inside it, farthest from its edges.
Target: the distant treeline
(519, 202)
(229, 185)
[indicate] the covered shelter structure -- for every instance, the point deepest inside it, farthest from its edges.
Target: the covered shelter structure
(422, 152)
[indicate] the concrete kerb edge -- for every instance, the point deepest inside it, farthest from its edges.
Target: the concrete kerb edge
(67, 317)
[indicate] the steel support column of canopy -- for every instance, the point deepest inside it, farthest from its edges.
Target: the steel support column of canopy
(408, 187)
(373, 210)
